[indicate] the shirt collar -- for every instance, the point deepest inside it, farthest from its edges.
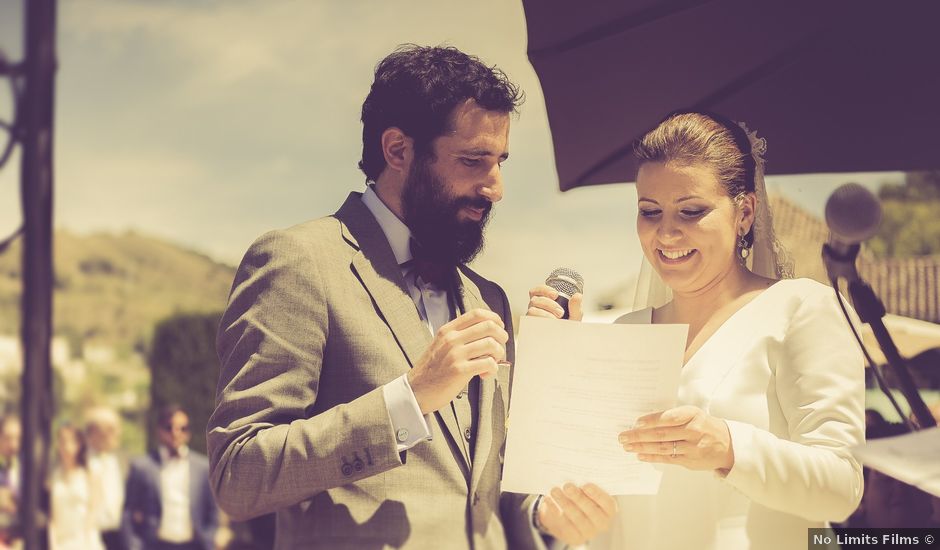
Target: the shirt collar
(396, 232)
(99, 455)
(165, 453)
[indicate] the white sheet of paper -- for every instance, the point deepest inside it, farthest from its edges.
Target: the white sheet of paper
(911, 458)
(576, 386)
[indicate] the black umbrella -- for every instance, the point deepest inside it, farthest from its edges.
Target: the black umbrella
(834, 86)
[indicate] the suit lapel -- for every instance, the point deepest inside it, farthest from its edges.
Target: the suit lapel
(375, 265)
(484, 422)
(155, 480)
(469, 294)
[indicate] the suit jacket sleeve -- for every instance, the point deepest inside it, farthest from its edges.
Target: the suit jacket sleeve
(266, 451)
(132, 506)
(820, 387)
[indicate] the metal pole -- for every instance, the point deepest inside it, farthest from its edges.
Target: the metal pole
(35, 118)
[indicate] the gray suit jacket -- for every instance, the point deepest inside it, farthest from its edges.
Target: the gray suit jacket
(319, 319)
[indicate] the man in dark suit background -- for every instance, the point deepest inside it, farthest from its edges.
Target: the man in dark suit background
(364, 389)
(168, 504)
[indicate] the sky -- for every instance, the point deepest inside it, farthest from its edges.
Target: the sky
(208, 123)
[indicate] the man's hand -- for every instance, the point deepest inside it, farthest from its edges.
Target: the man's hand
(575, 515)
(542, 304)
(470, 345)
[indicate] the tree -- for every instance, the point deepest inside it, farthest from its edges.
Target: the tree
(185, 370)
(911, 222)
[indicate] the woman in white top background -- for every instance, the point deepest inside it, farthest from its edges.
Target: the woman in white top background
(771, 393)
(74, 494)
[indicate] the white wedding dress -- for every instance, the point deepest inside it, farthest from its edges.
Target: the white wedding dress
(72, 526)
(786, 374)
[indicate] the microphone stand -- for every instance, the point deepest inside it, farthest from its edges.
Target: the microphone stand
(871, 310)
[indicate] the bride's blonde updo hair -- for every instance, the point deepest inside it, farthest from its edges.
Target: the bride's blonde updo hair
(696, 138)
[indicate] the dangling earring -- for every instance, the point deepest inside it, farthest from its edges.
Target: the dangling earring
(744, 248)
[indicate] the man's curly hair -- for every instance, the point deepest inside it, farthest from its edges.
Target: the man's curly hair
(417, 87)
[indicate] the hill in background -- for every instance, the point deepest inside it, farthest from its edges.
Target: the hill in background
(112, 289)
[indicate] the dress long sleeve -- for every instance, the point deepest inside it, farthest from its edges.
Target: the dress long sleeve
(819, 383)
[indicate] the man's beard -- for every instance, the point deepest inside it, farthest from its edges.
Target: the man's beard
(433, 217)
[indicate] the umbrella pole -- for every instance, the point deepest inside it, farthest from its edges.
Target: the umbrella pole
(35, 125)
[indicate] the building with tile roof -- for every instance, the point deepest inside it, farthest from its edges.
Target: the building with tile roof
(909, 287)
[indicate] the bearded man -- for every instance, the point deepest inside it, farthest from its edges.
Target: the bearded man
(365, 369)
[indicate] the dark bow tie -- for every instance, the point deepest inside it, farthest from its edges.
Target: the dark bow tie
(431, 270)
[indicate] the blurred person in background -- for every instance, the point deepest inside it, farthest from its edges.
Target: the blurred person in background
(875, 426)
(888, 502)
(168, 504)
(72, 525)
(109, 472)
(10, 436)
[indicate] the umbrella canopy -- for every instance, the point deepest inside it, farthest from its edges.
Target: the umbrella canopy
(834, 86)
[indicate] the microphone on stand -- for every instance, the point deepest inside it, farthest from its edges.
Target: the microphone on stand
(853, 215)
(567, 282)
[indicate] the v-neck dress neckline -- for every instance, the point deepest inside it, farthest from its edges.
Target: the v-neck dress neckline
(725, 323)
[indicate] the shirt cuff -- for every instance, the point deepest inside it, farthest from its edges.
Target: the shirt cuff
(408, 425)
(542, 538)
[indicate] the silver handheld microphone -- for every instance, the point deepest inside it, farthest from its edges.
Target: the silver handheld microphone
(567, 282)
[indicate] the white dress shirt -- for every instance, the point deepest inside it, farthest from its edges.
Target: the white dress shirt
(73, 504)
(433, 306)
(105, 470)
(176, 523)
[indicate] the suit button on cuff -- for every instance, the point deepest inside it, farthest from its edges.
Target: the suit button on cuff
(466, 433)
(402, 435)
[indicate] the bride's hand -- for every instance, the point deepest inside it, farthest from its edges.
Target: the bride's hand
(686, 436)
(542, 304)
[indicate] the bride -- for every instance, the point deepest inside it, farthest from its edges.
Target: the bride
(771, 393)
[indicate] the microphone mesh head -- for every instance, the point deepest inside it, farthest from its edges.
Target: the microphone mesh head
(853, 213)
(566, 281)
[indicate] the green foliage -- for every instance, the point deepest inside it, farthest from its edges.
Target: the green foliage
(911, 223)
(11, 387)
(917, 186)
(111, 289)
(184, 369)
